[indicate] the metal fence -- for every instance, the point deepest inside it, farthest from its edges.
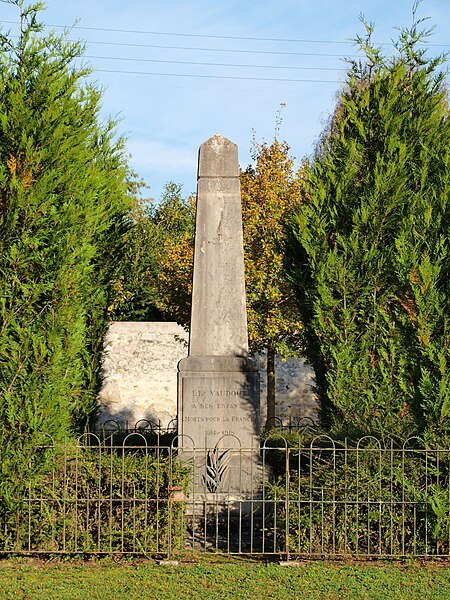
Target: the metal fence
(289, 424)
(128, 493)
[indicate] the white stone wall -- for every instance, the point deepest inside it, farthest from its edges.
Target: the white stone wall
(140, 376)
(140, 372)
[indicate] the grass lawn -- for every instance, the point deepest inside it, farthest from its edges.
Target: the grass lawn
(31, 579)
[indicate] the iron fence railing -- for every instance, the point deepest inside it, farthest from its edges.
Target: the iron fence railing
(125, 494)
(290, 424)
(287, 424)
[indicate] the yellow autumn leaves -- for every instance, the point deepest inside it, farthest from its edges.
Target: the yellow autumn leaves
(19, 168)
(271, 191)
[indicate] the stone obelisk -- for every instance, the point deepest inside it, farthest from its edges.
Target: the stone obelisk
(218, 385)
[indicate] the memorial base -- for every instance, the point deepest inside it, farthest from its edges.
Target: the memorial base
(218, 423)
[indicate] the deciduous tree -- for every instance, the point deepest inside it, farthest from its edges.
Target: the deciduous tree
(271, 191)
(153, 280)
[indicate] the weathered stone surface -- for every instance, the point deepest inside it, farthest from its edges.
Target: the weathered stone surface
(295, 400)
(218, 157)
(140, 376)
(219, 318)
(139, 372)
(218, 385)
(219, 401)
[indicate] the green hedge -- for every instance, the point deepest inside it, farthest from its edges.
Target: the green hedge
(367, 497)
(99, 500)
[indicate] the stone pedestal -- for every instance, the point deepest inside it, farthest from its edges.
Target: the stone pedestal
(220, 398)
(219, 420)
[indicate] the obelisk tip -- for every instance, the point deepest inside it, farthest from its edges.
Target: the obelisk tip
(218, 157)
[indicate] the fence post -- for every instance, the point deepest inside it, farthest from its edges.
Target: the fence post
(287, 503)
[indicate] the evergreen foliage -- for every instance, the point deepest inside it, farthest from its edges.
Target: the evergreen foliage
(98, 498)
(372, 248)
(63, 194)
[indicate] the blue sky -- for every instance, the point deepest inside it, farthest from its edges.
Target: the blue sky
(255, 56)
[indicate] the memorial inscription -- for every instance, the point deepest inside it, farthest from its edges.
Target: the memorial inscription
(213, 408)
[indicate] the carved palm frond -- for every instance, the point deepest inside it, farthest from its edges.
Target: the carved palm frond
(215, 469)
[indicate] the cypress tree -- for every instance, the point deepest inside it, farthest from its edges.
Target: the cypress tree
(63, 193)
(372, 249)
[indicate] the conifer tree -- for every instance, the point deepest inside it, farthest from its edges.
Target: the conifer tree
(63, 193)
(372, 256)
